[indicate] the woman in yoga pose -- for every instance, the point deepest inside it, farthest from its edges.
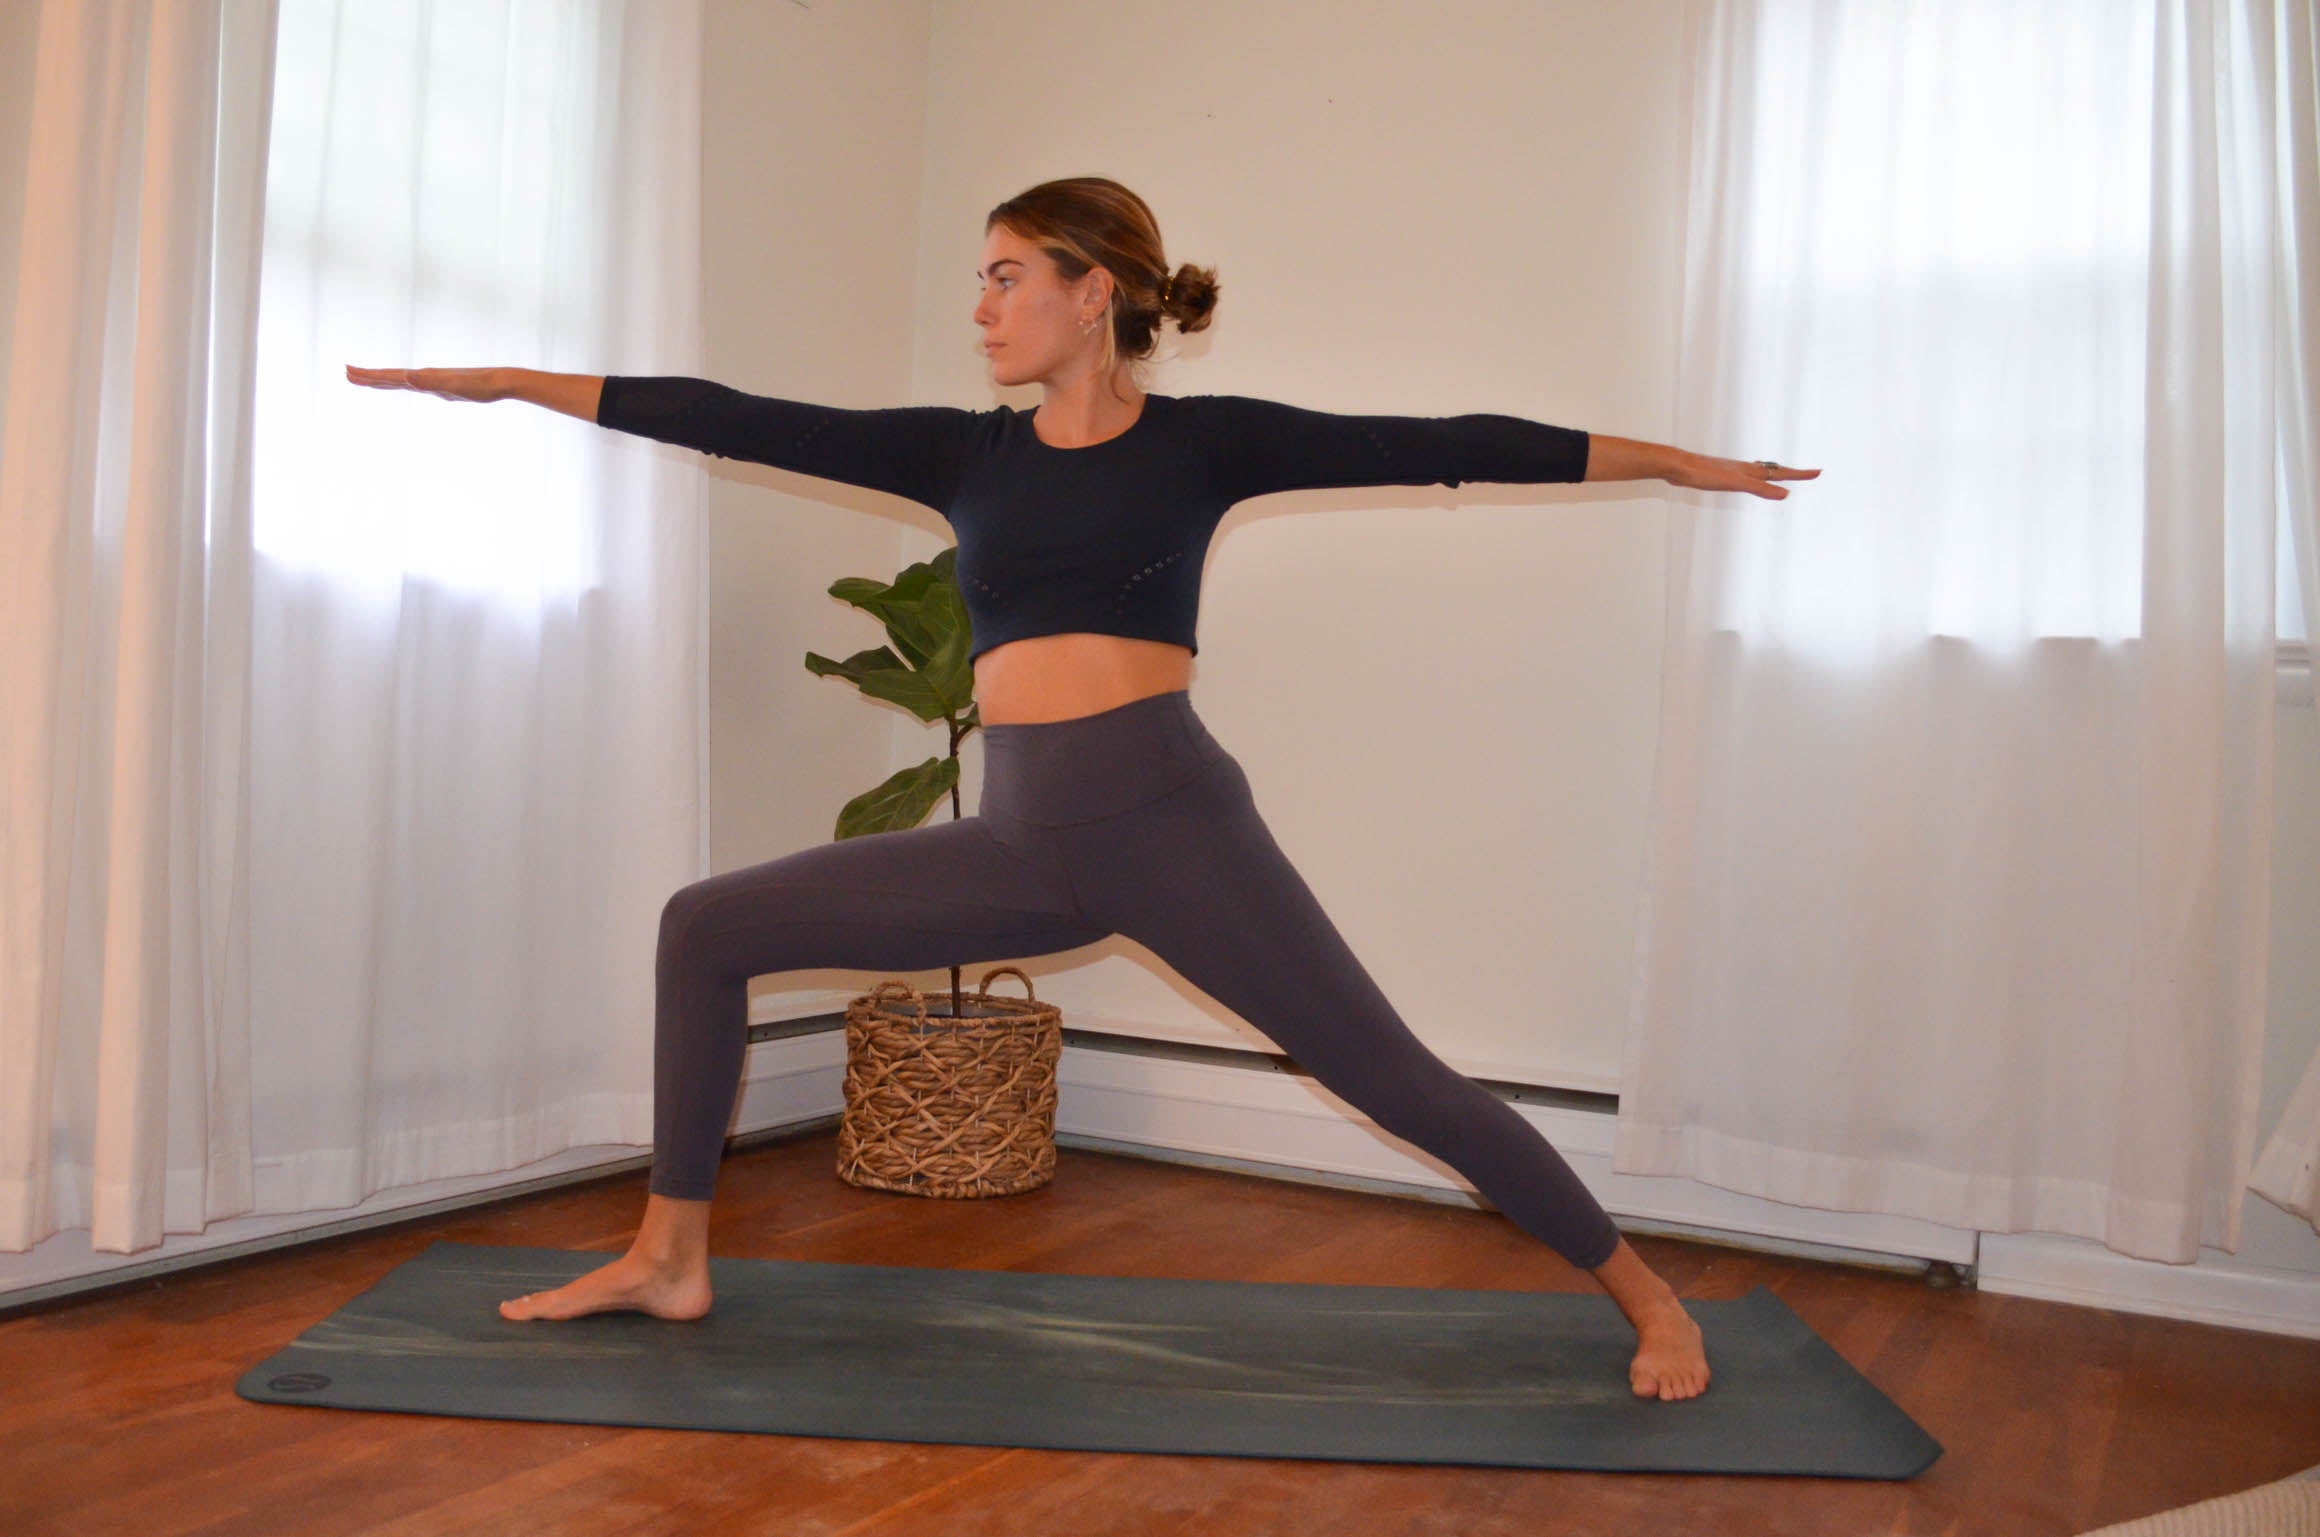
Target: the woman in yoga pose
(1107, 807)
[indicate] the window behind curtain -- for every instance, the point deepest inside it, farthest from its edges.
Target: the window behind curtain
(1945, 232)
(432, 193)
(1942, 239)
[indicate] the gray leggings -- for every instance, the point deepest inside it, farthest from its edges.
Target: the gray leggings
(1131, 821)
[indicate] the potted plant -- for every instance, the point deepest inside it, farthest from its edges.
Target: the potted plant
(924, 669)
(956, 1112)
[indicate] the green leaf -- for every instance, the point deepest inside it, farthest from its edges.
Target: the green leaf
(923, 668)
(881, 675)
(902, 801)
(913, 606)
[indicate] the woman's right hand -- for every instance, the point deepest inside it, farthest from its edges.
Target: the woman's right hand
(450, 383)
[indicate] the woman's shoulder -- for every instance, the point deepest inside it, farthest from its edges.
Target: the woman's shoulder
(1212, 410)
(1223, 405)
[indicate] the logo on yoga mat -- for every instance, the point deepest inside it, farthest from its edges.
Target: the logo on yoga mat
(298, 1382)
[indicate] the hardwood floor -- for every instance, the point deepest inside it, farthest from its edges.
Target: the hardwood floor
(117, 1411)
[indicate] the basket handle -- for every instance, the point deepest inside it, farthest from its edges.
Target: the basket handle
(998, 971)
(899, 989)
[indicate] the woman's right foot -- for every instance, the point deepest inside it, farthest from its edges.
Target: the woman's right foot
(631, 1282)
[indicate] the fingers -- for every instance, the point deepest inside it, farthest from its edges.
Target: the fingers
(397, 378)
(1751, 476)
(1755, 476)
(1759, 478)
(449, 383)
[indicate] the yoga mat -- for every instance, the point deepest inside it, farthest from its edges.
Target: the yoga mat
(1104, 1363)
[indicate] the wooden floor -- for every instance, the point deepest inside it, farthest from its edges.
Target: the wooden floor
(118, 1414)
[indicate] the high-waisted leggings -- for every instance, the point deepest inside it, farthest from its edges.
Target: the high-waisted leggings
(1130, 821)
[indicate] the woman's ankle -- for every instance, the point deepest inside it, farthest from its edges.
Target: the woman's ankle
(1635, 1286)
(674, 1234)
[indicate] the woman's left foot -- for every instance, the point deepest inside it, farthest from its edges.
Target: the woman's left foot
(1672, 1361)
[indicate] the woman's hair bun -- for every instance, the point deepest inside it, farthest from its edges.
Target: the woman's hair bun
(1189, 297)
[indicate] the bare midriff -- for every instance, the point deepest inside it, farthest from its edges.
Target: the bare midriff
(1062, 677)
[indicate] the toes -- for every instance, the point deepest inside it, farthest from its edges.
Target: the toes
(1667, 1388)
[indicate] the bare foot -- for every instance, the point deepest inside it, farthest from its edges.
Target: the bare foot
(1672, 1361)
(630, 1282)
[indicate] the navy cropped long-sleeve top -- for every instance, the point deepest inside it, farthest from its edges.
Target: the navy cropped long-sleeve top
(1111, 537)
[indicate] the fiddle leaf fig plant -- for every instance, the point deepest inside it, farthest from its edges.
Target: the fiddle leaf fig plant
(924, 669)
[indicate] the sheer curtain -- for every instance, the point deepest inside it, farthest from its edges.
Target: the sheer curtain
(353, 739)
(2288, 1170)
(124, 624)
(477, 709)
(1959, 866)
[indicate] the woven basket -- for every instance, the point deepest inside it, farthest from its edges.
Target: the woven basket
(953, 1108)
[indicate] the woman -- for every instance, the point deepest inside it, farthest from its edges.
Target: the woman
(1107, 807)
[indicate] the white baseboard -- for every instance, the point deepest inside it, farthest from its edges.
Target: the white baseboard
(1244, 1112)
(64, 1263)
(2215, 1290)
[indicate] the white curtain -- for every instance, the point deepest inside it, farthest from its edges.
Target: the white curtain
(124, 630)
(1959, 864)
(469, 638)
(2288, 1170)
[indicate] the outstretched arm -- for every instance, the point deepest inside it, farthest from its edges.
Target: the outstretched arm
(1610, 458)
(572, 394)
(1259, 446)
(911, 451)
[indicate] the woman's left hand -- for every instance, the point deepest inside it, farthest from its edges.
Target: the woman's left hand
(1702, 473)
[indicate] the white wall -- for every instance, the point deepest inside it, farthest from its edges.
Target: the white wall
(813, 140)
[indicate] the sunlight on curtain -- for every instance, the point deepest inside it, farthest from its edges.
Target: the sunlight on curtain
(433, 170)
(1958, 874)
(125, 572)
(1968, 190)
(479, 629)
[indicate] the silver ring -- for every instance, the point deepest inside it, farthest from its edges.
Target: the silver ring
(1766, 465)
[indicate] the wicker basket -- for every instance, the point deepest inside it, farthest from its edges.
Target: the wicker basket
(954, 1108)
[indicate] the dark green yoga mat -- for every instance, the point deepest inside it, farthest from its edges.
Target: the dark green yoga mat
(1104, 1363)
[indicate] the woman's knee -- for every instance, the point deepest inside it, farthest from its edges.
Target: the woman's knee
(681, 914)
(682, 907)
(1428, 1106)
